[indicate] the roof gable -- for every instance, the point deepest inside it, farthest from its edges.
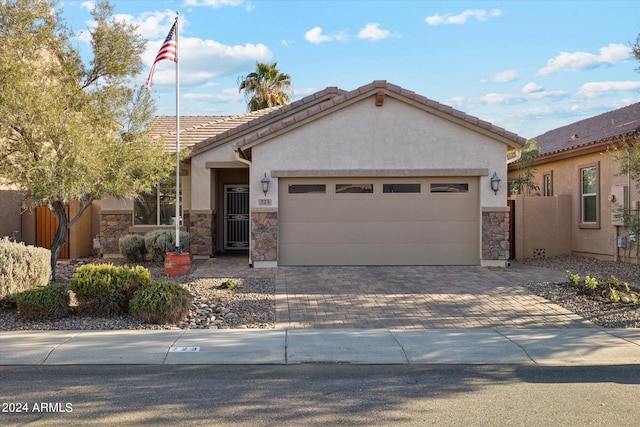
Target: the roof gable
(331, 99)
(591, 131)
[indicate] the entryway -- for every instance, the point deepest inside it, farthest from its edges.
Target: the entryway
(236, 217)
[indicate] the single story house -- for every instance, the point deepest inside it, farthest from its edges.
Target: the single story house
(375, 176)
(575, 163)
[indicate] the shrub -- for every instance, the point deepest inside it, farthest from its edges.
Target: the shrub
(22, 268)
(44, 302)
(159, 242)
(132, 248)
(573, 278)
(590, 283)
(104, 289)
(161, 302)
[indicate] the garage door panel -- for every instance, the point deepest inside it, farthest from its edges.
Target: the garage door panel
(440, 228)
(378, 210)
(379, 232)
(367, 254)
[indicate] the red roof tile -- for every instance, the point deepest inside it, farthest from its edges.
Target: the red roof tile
(601, 128)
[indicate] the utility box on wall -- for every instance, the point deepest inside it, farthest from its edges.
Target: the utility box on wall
(618, 200)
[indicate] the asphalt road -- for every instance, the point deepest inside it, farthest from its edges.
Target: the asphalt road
(320, 395)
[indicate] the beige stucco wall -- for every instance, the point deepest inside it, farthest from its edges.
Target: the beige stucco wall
(395, 136)
(542, 226)
(202, 183)
(110, 204)
(596, 242)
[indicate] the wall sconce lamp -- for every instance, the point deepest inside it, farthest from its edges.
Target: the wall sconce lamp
(265, 183)
(495, 183)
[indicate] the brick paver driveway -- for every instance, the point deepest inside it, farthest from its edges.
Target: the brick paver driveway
(408, 297)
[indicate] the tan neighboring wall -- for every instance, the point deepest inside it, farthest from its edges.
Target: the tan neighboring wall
(542, 226)
(599, 241)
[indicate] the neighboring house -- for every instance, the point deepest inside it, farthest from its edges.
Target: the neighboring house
(574, 164)
(375, 176)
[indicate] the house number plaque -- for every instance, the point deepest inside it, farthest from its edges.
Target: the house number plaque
(264, 202)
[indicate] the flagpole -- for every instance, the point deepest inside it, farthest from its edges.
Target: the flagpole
(178, 216)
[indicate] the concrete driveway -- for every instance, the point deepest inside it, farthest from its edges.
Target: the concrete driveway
(412, 297)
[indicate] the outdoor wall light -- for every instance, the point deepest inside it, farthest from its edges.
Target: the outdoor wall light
(265, 183)
(495, 183)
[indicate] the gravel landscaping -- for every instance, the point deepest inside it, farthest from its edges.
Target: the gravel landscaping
(598, 310)
(251, 304)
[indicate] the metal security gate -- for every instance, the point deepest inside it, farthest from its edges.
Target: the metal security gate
(236, 216)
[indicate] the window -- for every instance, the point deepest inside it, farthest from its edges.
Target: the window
(157, 207)
(307, 188)
(354, 188)
(449, 188)
(400, 188)
(589, 197)
(547, 184)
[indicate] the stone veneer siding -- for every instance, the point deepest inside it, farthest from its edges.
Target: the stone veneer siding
(495, 235)
(264, 236)
(201, 233)
(112, 227)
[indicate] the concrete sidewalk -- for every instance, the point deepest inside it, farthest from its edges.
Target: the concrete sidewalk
(557, 347)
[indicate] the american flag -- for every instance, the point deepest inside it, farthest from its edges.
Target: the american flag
(168, 52)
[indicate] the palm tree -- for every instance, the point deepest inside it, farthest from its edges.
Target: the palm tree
(266, 87)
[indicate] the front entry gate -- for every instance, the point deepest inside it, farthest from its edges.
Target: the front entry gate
(236, 217)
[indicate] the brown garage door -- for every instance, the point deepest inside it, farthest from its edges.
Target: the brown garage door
(379, 221)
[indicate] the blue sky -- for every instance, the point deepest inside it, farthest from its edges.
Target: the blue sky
(527, 66)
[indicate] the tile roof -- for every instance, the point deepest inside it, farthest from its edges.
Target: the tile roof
(442, 110)
(602, 128)
(202, 132)
(264, 122)
(194, 129)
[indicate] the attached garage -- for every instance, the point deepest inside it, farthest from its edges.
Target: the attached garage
(379, 221)
(375, 176)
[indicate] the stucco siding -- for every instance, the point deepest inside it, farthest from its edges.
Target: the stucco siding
(598, 242)
(394, 136)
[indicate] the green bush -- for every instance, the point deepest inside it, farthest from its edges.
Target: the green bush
(132, 248)
(159, 242)
(105, 289)
(22, 268)
(44, 302)
(162, 302)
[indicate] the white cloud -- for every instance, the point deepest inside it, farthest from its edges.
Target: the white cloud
(531, 87)
(502, 77)
(450, 18)
(228, 95)
(316, 36)
(578, 61)
(373, 31)
(596, 89)
(203, 60)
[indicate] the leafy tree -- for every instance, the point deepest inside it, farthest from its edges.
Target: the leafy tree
(524, 184)
(70, 130)
(266, 87)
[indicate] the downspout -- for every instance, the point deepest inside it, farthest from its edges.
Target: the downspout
(241, 158)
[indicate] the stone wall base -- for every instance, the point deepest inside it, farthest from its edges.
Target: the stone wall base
(495, 235)
(201, 233)
(264, 236)
(112, 227)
